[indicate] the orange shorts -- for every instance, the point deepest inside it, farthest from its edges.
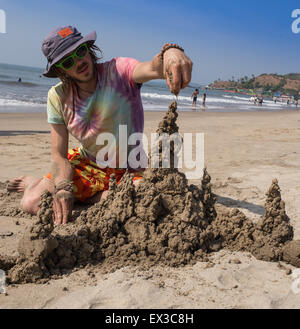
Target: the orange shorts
(89, 179)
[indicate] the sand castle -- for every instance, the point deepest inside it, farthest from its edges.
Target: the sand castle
(162, 220)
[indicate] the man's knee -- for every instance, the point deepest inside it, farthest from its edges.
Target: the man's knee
(30, 204)
(31, 199)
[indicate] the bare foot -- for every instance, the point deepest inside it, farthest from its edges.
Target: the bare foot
(21, 183)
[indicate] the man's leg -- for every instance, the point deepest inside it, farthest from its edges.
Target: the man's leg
(32, 188)
(103, 194)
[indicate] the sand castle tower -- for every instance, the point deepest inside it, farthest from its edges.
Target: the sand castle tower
(275, 221)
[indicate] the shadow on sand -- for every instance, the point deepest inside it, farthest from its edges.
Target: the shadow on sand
(232, 203)
(22, 132)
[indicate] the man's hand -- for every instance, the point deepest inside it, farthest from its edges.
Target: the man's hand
(176, 68)
(62, 206)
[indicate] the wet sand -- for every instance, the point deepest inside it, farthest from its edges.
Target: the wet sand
(244, 152)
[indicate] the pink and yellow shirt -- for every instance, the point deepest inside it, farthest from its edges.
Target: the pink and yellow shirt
(116, 101)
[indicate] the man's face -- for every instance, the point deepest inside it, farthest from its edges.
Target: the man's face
(83, 70)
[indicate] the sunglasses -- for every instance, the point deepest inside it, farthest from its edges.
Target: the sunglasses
(68, 62)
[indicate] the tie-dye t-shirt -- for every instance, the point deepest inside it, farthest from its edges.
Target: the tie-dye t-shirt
(116, 101)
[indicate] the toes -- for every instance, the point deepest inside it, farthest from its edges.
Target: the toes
(15, 181)
(16, 185)
(12, 184)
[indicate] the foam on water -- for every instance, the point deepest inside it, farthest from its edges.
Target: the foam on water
(13, 102)
(30, 95)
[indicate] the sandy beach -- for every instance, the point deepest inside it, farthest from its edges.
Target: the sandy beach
(244, 152)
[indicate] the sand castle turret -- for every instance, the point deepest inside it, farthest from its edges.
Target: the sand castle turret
(209, 199)
(273, 230)
(266, 240)
(165, 149)
(275, 221)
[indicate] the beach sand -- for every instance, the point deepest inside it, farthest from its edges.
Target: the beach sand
(244, 152)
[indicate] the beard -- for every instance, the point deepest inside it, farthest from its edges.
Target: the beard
(89, 78)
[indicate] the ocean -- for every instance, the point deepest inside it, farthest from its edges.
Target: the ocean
(30, 95)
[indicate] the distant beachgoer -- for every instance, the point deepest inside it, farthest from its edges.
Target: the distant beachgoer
(195, 96)
(20, 80)
(275, 99)
(288, 102)
(297, 102)
(256, 99)
(204, 99)
(261, 100)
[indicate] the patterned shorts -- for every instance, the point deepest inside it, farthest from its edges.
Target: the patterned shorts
(88, 178)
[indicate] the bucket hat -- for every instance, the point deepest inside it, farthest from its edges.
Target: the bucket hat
(61, 42)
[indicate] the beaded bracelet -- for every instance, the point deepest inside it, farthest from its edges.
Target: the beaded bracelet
(168, 46)
(65, 185)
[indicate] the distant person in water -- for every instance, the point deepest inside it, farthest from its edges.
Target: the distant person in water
(20, 80)
(261, 100)
(204, 99)
(195, 96)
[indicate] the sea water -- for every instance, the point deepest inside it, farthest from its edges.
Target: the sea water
(30, 94)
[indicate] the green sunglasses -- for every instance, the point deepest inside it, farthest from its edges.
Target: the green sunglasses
(68, 62)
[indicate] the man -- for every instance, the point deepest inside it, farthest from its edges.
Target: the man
(91, 99)
(194, 97)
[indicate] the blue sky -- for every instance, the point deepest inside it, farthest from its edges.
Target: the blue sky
(223, 38)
